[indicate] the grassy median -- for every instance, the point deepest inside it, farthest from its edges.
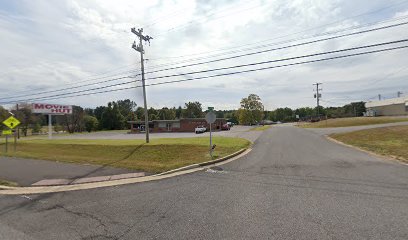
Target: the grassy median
(355, 121)
(389, 141)
(158, 156)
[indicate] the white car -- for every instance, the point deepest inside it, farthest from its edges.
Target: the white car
(200, 129)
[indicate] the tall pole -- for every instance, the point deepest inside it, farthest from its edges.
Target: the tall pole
(318, 96)
(379, 97)
(139, 48)
(49, 126)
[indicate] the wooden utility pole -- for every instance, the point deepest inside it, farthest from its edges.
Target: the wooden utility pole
(139, 48)
(318, 96)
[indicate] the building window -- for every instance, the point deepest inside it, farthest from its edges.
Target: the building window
(162, 125)
(176, 125)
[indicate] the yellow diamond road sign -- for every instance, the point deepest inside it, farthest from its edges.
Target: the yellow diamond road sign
(11, 122)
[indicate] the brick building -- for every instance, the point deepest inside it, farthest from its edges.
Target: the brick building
(180, 125)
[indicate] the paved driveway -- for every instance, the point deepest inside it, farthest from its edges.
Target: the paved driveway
(294, 184)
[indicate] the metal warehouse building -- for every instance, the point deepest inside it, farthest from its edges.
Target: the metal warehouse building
(388, 107)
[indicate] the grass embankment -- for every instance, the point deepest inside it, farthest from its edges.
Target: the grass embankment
(8, 183)
(356, 121)
(158, 156)
(389, 141)
(260, 128)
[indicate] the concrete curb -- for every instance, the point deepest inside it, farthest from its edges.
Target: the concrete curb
(383, 157)
(5, 190)
(198, 165)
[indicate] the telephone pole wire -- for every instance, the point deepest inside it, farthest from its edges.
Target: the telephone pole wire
(139, 48)
(318, 96)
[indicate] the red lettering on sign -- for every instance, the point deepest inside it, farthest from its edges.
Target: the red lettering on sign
(38, 106)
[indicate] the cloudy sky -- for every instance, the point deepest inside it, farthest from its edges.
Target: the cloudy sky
(51, 48)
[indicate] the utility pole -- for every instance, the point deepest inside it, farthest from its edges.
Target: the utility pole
(399, 93)
(139, 48)
(379, 97)
(318, 96)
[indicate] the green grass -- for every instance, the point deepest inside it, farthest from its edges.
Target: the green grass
(356, 121)
(388, 141)
(8, 183)
(260, 128)
(157, 156)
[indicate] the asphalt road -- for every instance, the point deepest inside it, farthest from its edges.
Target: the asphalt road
(294, 184)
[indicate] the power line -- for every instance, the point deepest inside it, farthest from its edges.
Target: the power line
(236, 66)
(279, 48)
(283, 59)
(224, 74)
(160, 70)
(64, 89)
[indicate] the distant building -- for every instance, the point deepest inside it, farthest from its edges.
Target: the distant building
(388, 107)
(180, 125)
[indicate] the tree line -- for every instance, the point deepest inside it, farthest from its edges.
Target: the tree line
(116, 114)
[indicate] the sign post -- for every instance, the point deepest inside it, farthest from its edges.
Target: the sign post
(11, 123)
(210, 117)
(51, 109)
(49, 126)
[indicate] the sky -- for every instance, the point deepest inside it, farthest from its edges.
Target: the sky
(51, 49)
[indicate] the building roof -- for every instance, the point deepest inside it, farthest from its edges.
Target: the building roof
(386, 102)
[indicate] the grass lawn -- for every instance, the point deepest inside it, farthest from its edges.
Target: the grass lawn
(389, 141)
(355, 121)
(8, 183)
(158, 156)
(260, 128)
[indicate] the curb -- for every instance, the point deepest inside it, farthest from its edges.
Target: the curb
(6, 190)
(383, 157)
(198, 165)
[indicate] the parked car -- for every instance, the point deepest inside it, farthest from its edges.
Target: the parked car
(200, 129)
(225, 127)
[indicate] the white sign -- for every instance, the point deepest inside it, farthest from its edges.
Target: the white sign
(210, 117)
(54, 109)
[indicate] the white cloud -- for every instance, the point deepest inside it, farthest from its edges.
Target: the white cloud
(48, 44)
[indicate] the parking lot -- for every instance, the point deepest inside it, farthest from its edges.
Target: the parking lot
(236, 131)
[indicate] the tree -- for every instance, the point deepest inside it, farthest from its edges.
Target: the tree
(74, 122)
(251, 111)
(111, 118)
(91, 123)
(36, 128)
(179, 112)
(127, 108)
(166, 114)
(193, 110)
